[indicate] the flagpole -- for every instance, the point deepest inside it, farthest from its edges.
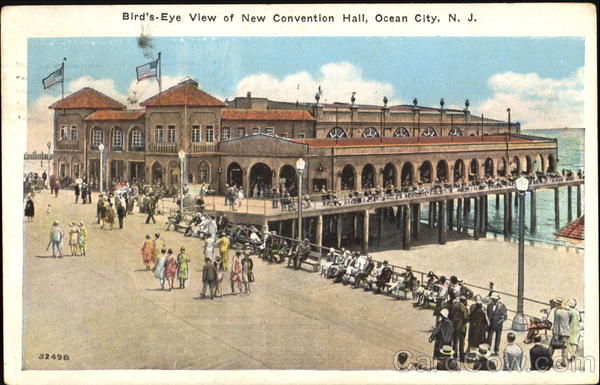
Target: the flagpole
(62, 83)
(159, 74)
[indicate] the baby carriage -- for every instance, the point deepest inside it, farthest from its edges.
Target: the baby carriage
(537, 325)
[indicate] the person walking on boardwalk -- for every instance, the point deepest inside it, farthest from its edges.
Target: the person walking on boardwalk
(459, 314)
(101, 211)
(183, 271)
(29, 207)
(223, 243)
(442, 334)
(158, 244)
(219, 267)
(247, 274)
(574, 329)
(74, 238)
(560, 330)
(56, 237)
(159, 268)
(236, 273)
(121, 211)
(148, 252)
(56, 187)
(82, 238)
(77, 192)
(171, 268)
(496, 314)
(209, 278)
(110, 215)
(478, 325)
(151, 210)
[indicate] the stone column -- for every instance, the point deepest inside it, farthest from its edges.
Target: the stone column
(557, 208)
(431, 218)
(466, 210)
(398, 217)
(569, 204)
(320, 230)
(379, 225)
(442, 235)
(533, 213)
(406, 227)
(497, 201)
(365, 243)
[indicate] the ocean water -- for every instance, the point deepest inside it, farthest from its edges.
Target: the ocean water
(571, 156)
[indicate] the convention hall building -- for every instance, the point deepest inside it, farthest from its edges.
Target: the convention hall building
(252, 141)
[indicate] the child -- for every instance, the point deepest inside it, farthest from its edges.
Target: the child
(74, 238)
(49, 209)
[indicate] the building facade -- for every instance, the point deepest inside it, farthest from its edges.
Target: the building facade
(255, 142)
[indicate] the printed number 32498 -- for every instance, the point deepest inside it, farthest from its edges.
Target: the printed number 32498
(59, 357)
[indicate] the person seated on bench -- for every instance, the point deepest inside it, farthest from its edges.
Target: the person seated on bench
(193, 222)
(302, 254)
(349, 261)
(425, 292)
(337, 260)
(330, 259)
(174, 221)
(363, 275)
(255, 240)
(384, 277)
(406, 283)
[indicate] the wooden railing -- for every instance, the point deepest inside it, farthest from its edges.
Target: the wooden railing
(66, 145)
(204, 147)
(163, 147)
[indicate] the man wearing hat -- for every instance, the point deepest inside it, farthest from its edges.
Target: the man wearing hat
(483, 363)
(560, 328)
(302, 255)
(56, 237)
(446, 360)
(223, 243)
(442, 334)
(384, 277)
(459, 314)
(496, 315)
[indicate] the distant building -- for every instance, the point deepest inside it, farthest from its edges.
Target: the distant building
(254, 142)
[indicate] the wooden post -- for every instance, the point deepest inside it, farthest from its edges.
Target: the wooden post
(506, 217)
(477, 220)
(294, 222)
(379, 225)
(430, 220)
(459, 208)
(398, 217)
(365, 243)
(466, 211)
(320, 230)
(442, 235)
(338, 224)
(406, 227)
(497, 202)
(533, 213)
(416, 226)
(578, 200)
(557, 208)
(451, 215)
(510, 217)
(484, 216)
(569, 204)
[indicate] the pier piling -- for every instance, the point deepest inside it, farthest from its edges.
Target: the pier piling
(442, 235)
(578, 200)
(557, 208)
(569, 204)
(406, 227)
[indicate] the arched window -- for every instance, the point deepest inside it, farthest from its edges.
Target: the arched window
(401, 133)
(117, 139)
(97, 137)
(370, 133)
(428, 132)
(455, 131)
(136, 139)
(204, 172)
(337, 133)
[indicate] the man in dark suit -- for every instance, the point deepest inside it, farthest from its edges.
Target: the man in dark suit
(209, 278)
(496, 315)
(459, 314)
(539, 355)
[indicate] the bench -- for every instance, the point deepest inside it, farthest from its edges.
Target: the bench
(313, 260)
(184, 223)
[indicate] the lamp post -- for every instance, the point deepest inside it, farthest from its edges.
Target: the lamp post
(508, 110)
(181, 159)
(300, 164)
(519, 323)
(101, 148)
(49, 144)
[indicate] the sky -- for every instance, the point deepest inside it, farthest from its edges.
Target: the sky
(539, 79)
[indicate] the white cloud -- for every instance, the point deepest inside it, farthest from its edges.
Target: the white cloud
(536, 102)
(337, 81)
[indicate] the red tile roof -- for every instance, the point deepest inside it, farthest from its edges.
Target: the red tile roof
(87, 98)
(574, 230)
(242, 114)
(185, 93)
(115, 115)
(393, 141)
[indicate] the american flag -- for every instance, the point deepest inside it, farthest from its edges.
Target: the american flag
(54, 78)
(147, 70)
